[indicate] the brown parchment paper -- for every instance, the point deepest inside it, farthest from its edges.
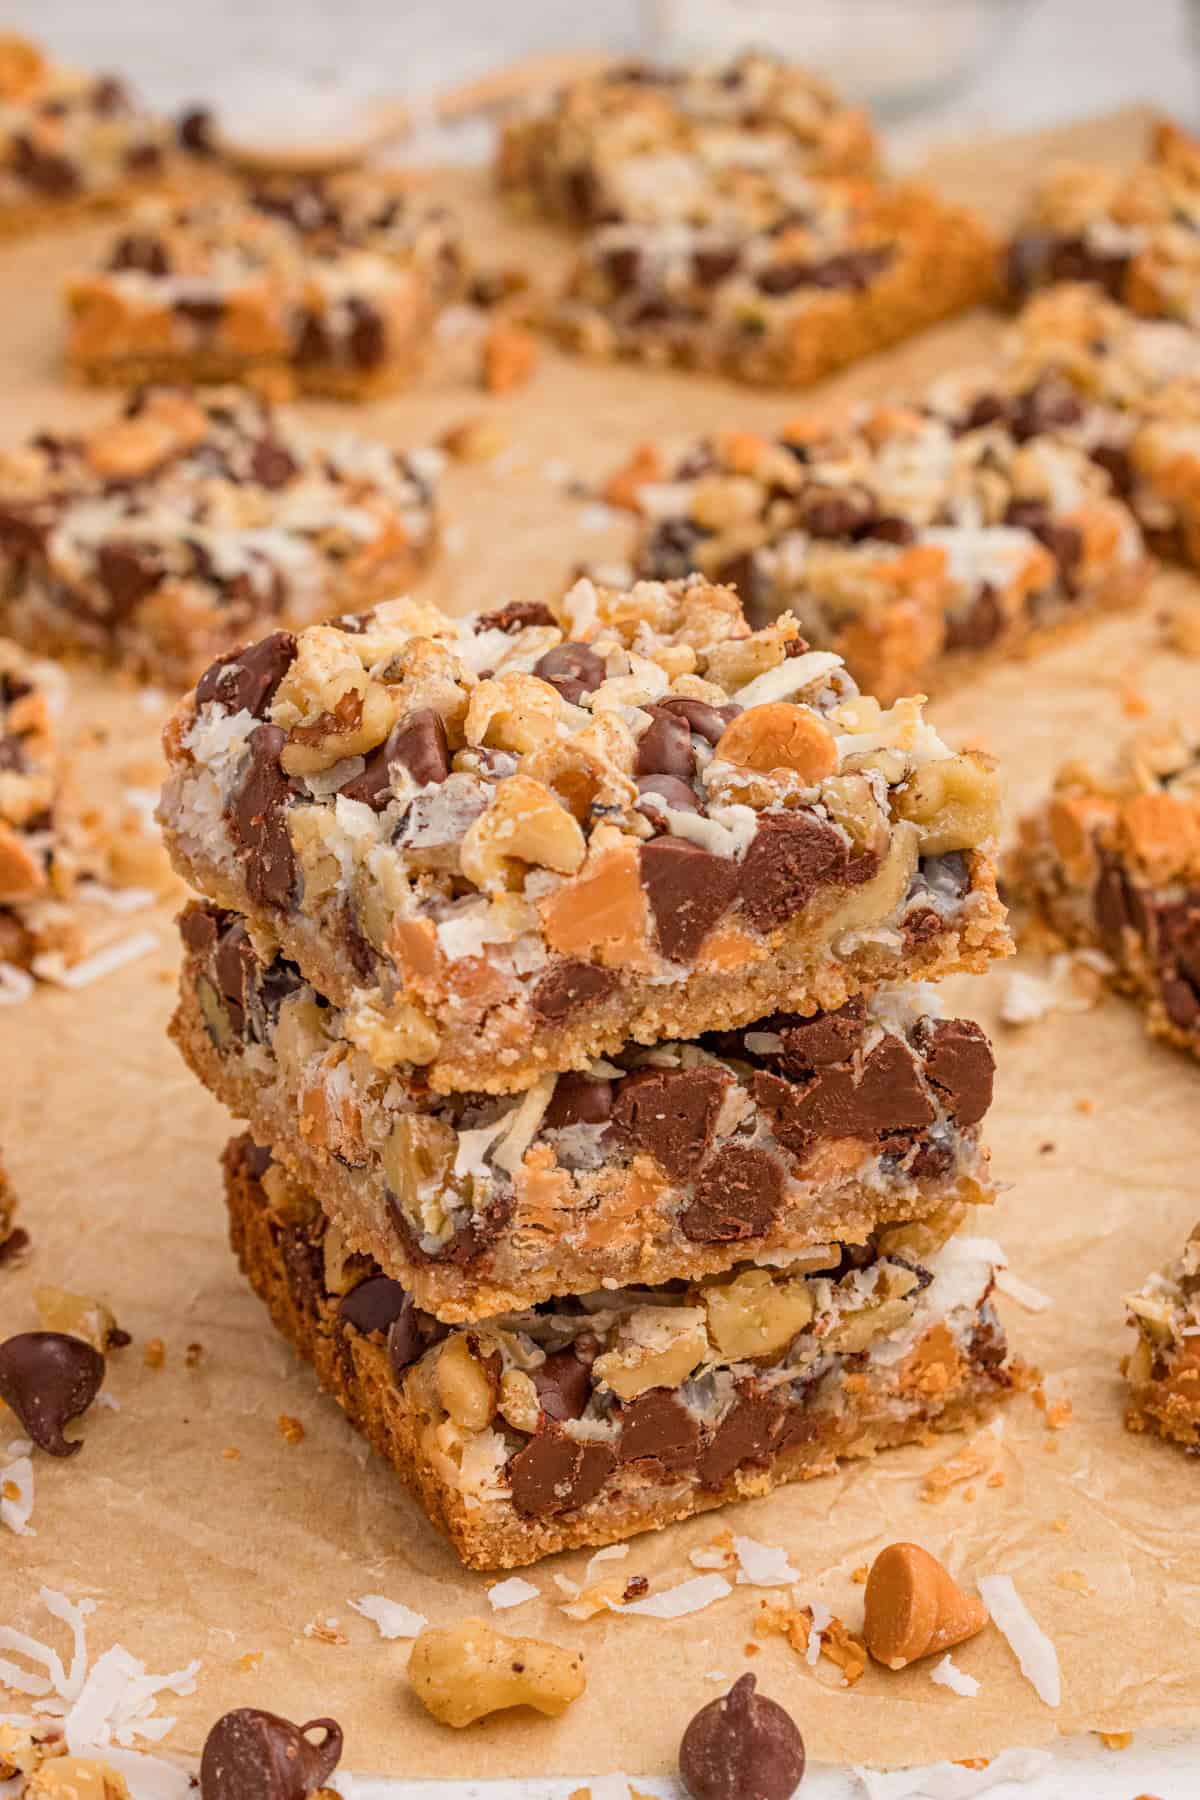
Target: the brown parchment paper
(201, 1532)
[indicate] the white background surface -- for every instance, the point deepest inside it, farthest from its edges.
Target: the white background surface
(270, 61)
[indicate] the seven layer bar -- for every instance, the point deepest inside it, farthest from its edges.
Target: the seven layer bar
(547, 950)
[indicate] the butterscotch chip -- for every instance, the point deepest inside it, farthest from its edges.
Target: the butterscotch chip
(509, 358)
(915, 1608)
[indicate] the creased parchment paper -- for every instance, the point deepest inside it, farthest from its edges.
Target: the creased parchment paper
(202, 1532)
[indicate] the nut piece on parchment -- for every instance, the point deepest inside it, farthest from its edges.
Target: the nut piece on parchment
(467, 1671)
(742, 1747)
(255, 1755)
(49, 1378)
(76, 1778)
(914, 1607)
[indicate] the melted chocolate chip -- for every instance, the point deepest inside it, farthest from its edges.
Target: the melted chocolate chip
(578, 1100)
(247, 679)
(791, 857)
(738, 1194)
(825, 1038)
(410, 1334)
(657, 1426)
(258, 821)
(670, 1114)
(554, 1473)
(574, 669)
(374, 1305)
(49, 1379)
(127, 572)
(842, 1101)
(677, 795)
(418, 743)
(705, 721)
(569, 986)
(688, 889)
(253, 1755)
(747, 1433)
(665, 747)
(959, 1063)
(741, 1747)
(515, 617)
(564, 1386)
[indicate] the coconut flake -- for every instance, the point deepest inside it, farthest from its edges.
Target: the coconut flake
(948, 1674)
(117, 1700)
(1030, 1645)
(393, 1619)
(762, 1565)
(16, 984)
(822, 1619)
(52, 968)
(513, 1592)
(1026, 1295)
(16, 1488)
(787, 678)
(950, 1781)
(610, 1553)
(676, 1602)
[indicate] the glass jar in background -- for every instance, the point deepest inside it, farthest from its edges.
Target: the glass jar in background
(893, 55)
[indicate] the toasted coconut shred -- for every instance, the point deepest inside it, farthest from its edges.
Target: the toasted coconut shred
(1030, 1645)
(99, 1707)
(391, 1617)
(16, 1488)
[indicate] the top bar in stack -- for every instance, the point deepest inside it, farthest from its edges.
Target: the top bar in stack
(637, 141)
(1133, 233)
(508, 844)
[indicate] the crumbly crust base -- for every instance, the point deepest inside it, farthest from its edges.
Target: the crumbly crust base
(514, 1279)
(495, 1536)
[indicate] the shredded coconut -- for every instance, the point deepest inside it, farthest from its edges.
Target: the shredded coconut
(676, 1602)
(16, 1488)
(1030, 1645)
(513, 1592)
(1031, 1298)
(822, 1619)
(393, 1619)
(762, 1565)
(51, 967)
(951, 1781)
(16, 984)
(948, 1674)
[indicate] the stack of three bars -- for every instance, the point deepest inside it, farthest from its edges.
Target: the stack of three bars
(564, 959)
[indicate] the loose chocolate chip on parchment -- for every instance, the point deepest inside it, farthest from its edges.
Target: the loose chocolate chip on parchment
(657, 1426)
(742, 1747)
(738, 1194)
(670, 1114)
(688, 889)
(253, 1755)
(554, 1473)
(791, 857)
(258, 821)
(569, 986)
(574, 669)
(246, 680)
(49, 1378)
(959, 1062)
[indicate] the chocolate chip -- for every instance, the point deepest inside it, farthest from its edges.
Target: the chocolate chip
(665, 747)
(1115, 460)
(247, 679)
(791, 858)
(554, 1473)
(253, 1755)
(670, 1114)
(418, 744)
(738, 1194)
(368, 334)
(574, 669)
(854, 269)
(713, 265)
(840, 1101)
(669, 552)
(976, 626)
(204, 310)
(705, 721)
(892, 530)
(195, 130)
(754, 586)
(110, 94)
(515, 617)
(235, 967)
(959, 1063)
(688, 889)
(49, 1379)
(578, 1100)
(199, 924)
(623, 266)
(825, 1038)
(678, 796)
(410, 1334)
(658, 1426)
(258, 821)
(564, 1385)
(843, 513)
(271, 465)
(374, 1305)
(21, 534)
(142, 251)
(127, 572)
(313, 342)
(569, 986)
(55, 176)
(747, 1433)
(742, 1747)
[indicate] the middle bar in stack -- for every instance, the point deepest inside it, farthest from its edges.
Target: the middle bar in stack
(564, 958)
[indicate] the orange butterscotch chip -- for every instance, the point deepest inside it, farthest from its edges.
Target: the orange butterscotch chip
(644, 465)
(914, 1607)
(509, 357)
(1164, 833)
(601, 912)
(778, 735)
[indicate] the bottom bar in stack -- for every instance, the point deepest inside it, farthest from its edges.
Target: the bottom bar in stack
(586, 1420)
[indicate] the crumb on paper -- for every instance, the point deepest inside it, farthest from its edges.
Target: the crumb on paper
(807, 1629)
(1061, 1525)
(1180, 628)
(1115, 1740)
(231, 1453)
(975, 1458)
(391, 1617)
(250, 1663)
(859, 1575)
(478, 439)
(193, 1355)
(326, 1631)
(1075, 1581)
(290, 1429)
(155, 1353)
(1085, 1104)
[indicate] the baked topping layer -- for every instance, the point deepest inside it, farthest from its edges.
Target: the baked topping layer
(680, 1159)
(37, 867)
(512, 842)
(190, 519)
(1163, 1370)
(585, 1421)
